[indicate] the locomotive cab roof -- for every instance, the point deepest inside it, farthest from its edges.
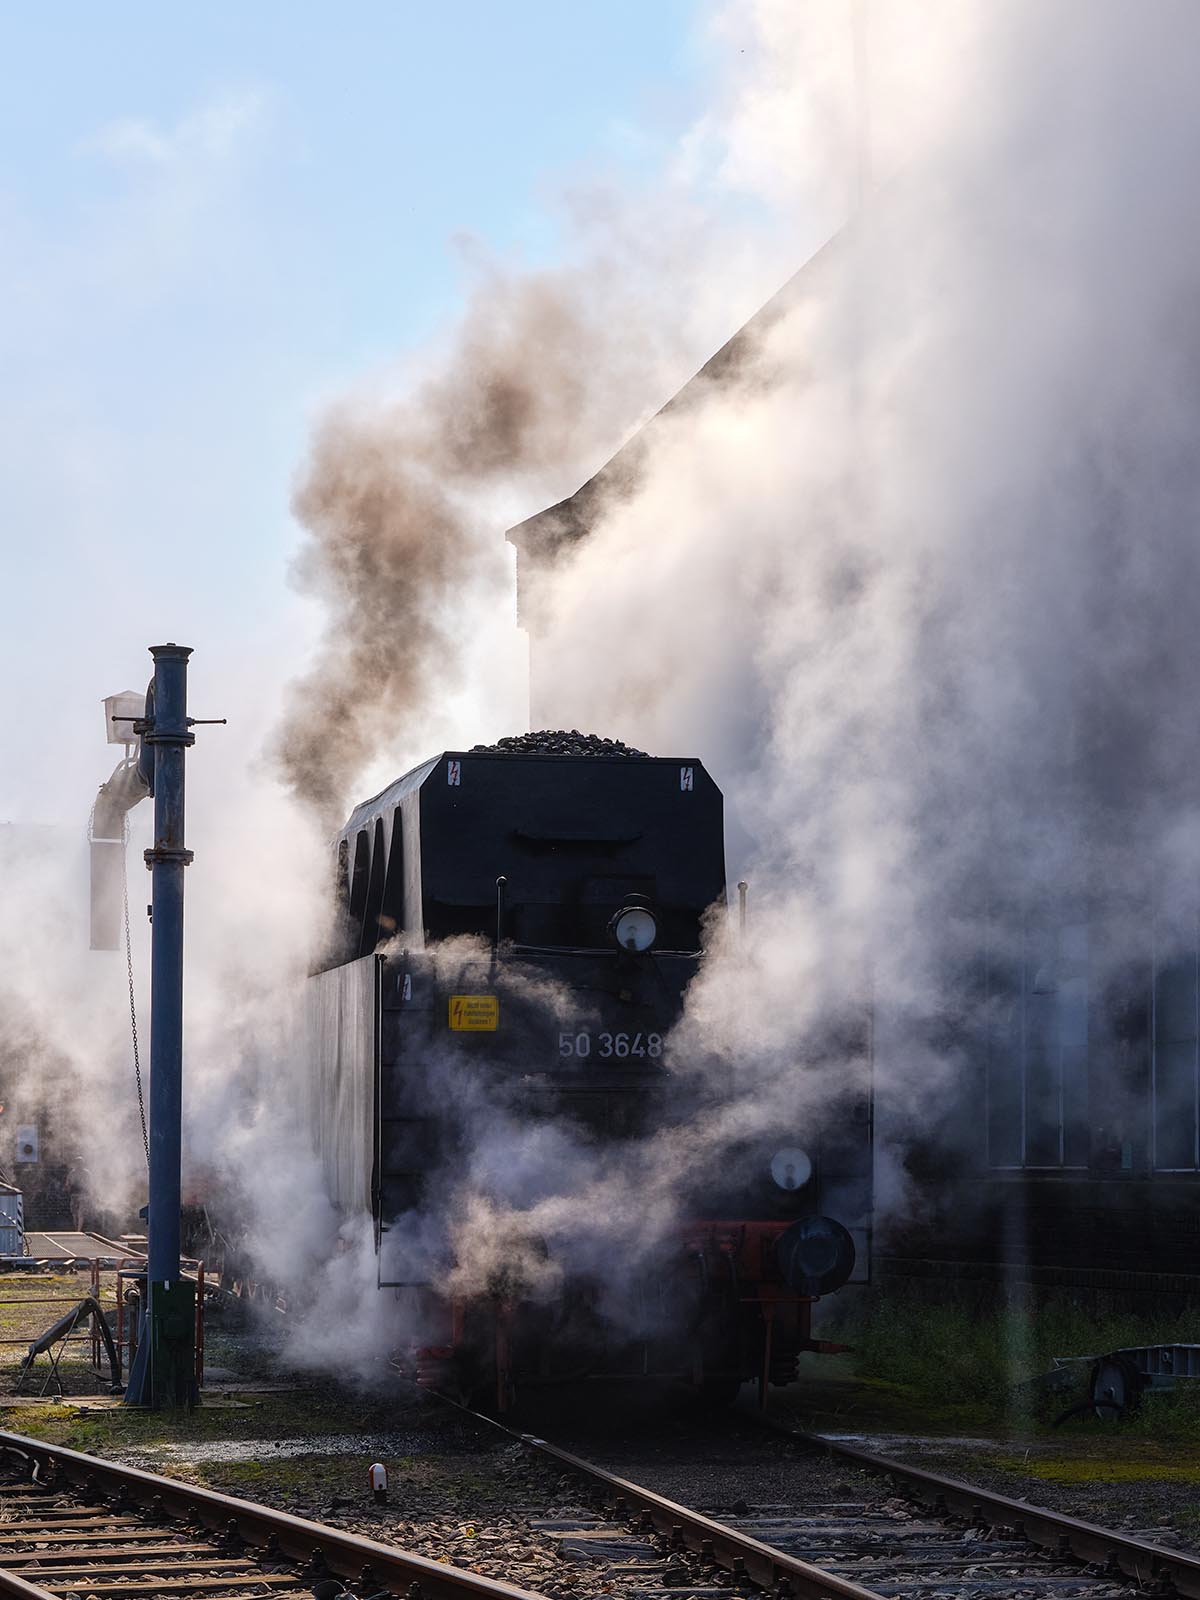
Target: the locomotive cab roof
(576, 829)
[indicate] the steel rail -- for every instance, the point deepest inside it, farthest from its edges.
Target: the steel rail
(1138, 1559)
(1151, 1566)
(21, 1589)
(729, 1548)
(287, 1538)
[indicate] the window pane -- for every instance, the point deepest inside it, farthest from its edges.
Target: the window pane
(1175, 1000)
(1175, 1064)
(1004, 1080)
(1175, 1105)
(1042, 1082)
(1073, 1042)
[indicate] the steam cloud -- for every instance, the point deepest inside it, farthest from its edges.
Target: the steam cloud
(932, 564)
(64, 1045)
(401, 498)
(942, 545)
(919, 582)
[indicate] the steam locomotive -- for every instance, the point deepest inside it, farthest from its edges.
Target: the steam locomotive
(518, 928)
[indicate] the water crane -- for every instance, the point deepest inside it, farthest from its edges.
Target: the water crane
(156, 733)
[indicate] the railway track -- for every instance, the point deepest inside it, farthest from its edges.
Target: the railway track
(922, 1537)
(75, 1525)
(881, 1547)
(1150, 1568)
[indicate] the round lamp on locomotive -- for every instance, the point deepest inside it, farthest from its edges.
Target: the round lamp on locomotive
(791, 1168)
(815, 1255)
(634, 926)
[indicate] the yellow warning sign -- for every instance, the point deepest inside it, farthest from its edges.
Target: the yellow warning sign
(474, 1013)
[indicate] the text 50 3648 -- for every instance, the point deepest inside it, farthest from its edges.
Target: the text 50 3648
(610, 1046)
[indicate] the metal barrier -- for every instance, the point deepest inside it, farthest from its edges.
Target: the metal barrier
(89, 1308)
(53, 1343)
(107, 1297)
(56, 1300)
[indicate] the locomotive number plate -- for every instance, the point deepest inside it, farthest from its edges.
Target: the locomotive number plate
(474, 1013)
(611, 1046)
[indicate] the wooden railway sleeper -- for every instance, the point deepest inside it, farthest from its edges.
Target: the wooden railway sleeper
(138, 1568)
(90, 1552)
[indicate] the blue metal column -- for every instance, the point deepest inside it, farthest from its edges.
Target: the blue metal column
(170, 736)
(161, 1374)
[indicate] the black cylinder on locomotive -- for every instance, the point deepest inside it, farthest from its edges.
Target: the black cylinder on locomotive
(519, 926)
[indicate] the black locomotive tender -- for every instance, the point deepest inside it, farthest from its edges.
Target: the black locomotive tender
(578, 861)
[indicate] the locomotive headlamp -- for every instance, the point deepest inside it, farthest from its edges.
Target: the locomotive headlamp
(815, 1255)
(791, 1168)
(634, 928)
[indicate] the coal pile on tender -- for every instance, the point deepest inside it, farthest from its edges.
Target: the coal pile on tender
(557, 742)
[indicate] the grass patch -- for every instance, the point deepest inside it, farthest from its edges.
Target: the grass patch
(965, 1366)
(1100, 1469)
(962, 1354)
(312, 1478)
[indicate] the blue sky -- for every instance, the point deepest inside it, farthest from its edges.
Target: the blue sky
(214, 218)
(378, 131)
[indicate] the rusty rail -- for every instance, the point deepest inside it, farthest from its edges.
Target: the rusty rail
(1152, 1567)
(728, 1547)
(149, 1508)
(736, 1552)
(1147, 1564)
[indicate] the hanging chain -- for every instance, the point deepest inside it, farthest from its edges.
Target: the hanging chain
(137, 1064)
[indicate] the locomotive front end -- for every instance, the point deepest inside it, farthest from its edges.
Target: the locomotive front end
(491, 1069)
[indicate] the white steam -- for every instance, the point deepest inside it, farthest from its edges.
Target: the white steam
(921, 586)
(918, 583)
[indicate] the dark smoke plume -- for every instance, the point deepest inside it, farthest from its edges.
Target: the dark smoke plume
(402, 501)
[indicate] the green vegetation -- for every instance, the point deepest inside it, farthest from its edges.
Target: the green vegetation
(957, 1366)
(1105, 1467)
(972, 1354)
(23, 1296)
(313, 1480)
